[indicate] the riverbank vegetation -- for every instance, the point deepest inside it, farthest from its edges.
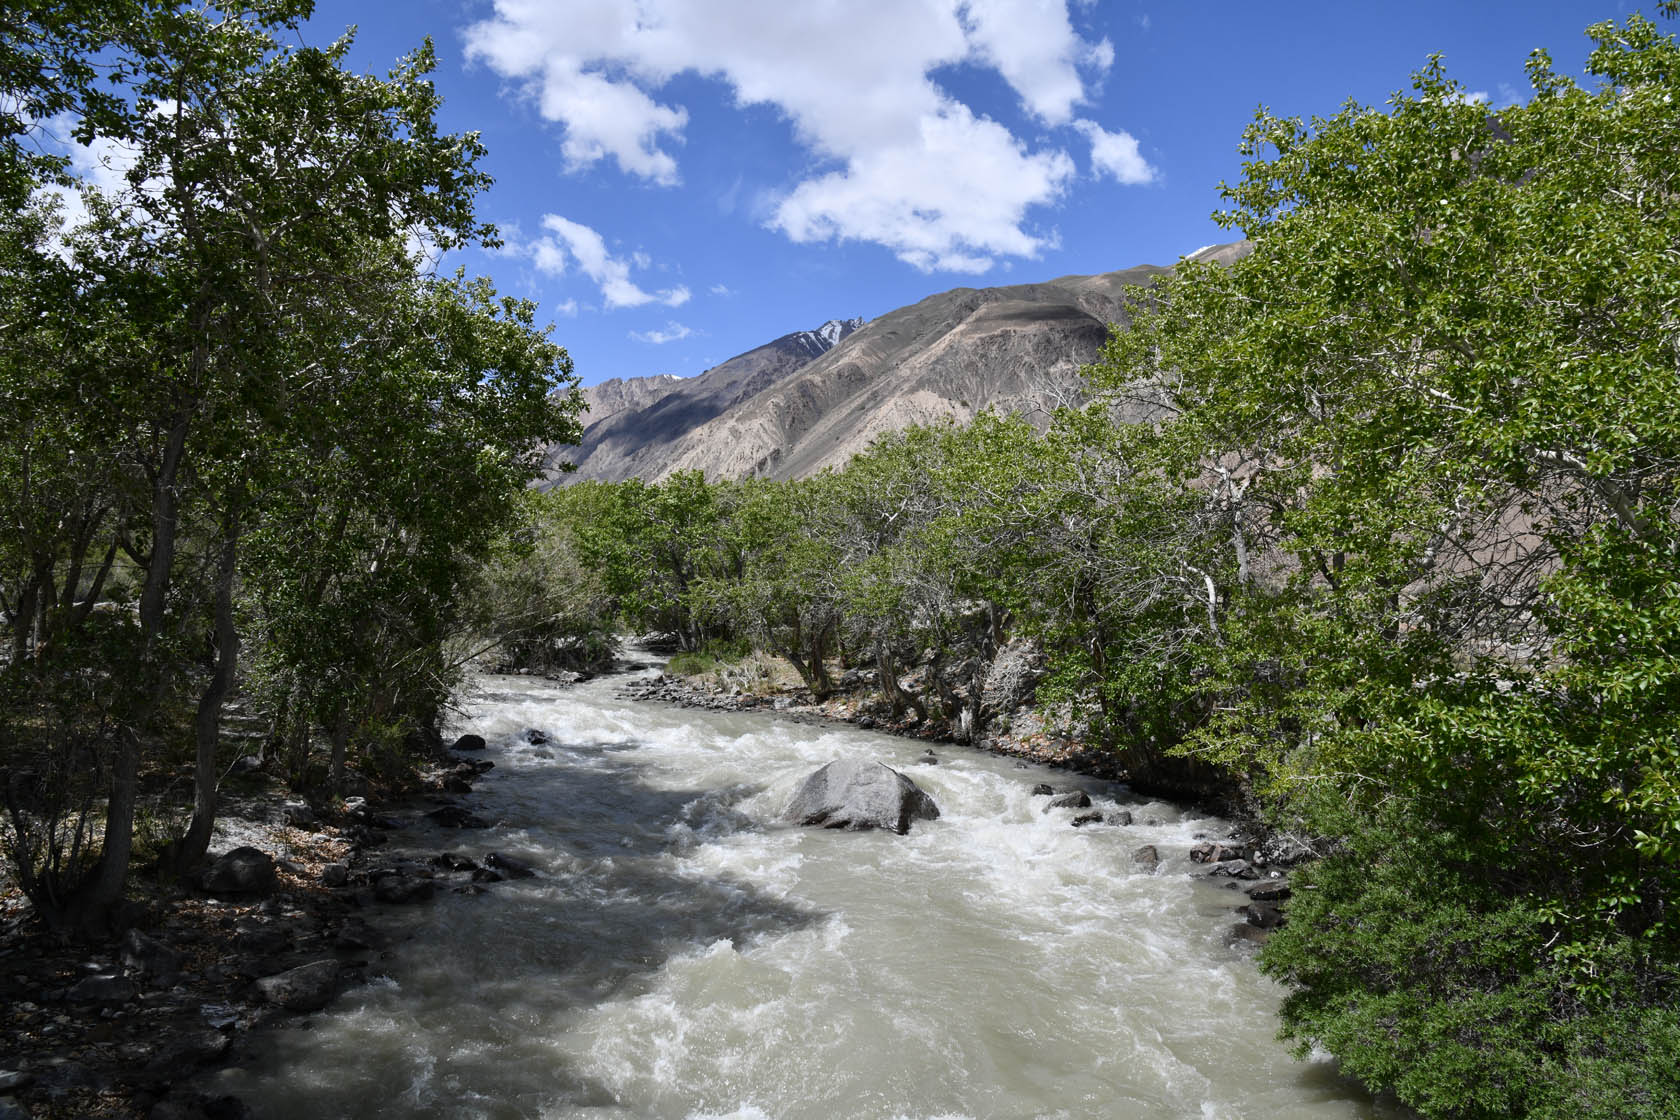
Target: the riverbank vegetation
(1380, 522)
(248, 440)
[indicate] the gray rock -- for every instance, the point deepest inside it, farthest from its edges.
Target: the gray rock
(298, 814)
(857, 795)
(1043, 789)
(1268, 890)
(1080, 820)
(1147, 856)
(510, 867)
(12, 1080)
(355, 935)
(308, 987)
(111, 991)
(1215, 851)
(195, 1048)
(335, 874)
(469, 743)
(453, 816)
(263, 939)
(150, 959)
(241, 872)
(1123, 817)
(1078, 799)
(1265, 915)
(398, 889)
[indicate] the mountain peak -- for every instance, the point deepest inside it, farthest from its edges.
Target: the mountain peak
(825, 338)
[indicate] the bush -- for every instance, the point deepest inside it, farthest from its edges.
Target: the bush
(1417, 959)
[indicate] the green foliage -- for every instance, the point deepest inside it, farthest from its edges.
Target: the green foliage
(233, 407)
(1436, 399)
(1409, 958)
(714, 655)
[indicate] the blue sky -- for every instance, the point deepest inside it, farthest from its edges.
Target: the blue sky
(678, 181)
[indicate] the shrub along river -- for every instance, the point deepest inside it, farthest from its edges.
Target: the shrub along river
(681, 953)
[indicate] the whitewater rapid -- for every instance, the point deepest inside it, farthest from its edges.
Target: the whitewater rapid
(682, 954)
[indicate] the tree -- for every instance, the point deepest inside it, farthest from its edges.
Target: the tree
(247, 318)
(1448, 367)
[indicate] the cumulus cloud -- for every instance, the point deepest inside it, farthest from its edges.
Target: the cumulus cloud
(672, 332)
(896, 159)
(567, 243)
(1116, 154)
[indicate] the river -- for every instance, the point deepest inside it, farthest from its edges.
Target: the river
(682, 954)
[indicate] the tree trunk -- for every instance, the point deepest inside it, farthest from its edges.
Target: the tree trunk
(91, 910)
(340, 747)
(207, 722)
(887, 672)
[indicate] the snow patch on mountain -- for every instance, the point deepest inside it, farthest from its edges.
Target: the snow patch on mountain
(825, 337)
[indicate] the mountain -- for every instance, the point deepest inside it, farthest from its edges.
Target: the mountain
(633, 422)
(621, 394)
(814, 399)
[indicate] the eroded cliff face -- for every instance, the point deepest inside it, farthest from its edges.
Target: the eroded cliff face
(814, 399)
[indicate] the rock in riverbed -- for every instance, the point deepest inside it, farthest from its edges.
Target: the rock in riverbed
(856, 795)
(308, 987)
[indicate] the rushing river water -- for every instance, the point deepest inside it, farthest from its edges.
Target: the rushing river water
(683, 954)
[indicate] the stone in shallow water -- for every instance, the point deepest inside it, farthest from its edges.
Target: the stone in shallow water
(510, 867)
(308, 987)
(1078, 799)
(856, 795)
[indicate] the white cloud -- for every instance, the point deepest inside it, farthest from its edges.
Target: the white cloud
(567, 243)
(1033, 45)
(1116, 154)
(722, 290)
(673, 332)
(896, 160)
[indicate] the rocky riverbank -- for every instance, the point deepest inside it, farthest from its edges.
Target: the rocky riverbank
(277, 926)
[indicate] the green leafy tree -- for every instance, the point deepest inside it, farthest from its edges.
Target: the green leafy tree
(1443, 379)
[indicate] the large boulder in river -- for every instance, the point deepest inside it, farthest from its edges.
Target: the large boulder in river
(856, 795)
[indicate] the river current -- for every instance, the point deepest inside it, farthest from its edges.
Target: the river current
(682, 954)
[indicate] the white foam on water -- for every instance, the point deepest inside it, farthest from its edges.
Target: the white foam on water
(685, 954)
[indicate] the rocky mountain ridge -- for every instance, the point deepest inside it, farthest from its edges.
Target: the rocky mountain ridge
(813, 399)
(632, 421)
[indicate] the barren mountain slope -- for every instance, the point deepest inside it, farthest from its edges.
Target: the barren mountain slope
(618, 394)
(632, 423)
(951, 355)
